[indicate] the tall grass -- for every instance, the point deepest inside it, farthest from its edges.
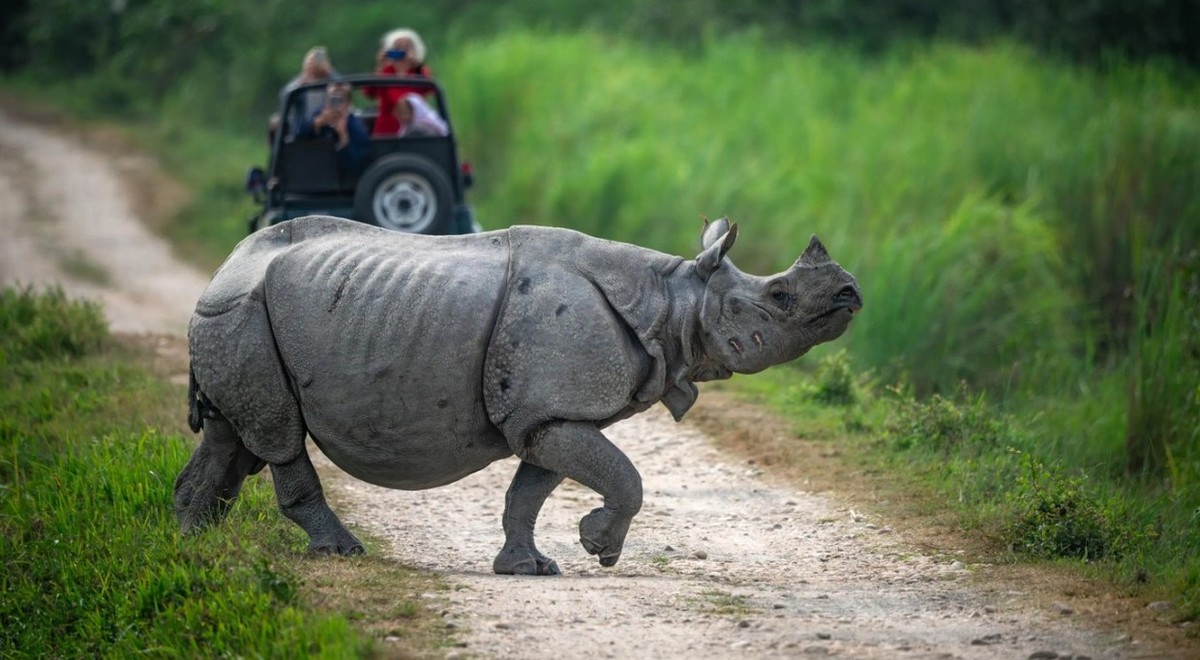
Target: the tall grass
(1164, 388)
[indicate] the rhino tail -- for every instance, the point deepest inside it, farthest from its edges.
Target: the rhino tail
(195, 419)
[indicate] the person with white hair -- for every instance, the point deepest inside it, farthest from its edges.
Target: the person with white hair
(401, 53)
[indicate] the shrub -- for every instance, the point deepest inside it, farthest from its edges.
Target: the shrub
(39, 326)
(835, 383)
(943, 425)
(1059, 515)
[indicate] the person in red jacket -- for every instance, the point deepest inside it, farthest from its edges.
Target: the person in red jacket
(401, 53)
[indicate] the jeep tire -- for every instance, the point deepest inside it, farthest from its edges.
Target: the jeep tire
(405, 192)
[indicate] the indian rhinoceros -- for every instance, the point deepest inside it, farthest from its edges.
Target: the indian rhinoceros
(413, 361)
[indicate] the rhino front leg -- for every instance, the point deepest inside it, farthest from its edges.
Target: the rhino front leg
(529, 490)
(580, 451)
(301, 499)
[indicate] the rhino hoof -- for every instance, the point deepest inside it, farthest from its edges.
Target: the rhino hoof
(607, 557)
(347, 547)
(516, 562)
(602, 533)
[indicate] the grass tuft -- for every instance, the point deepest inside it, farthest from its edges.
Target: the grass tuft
(43, 325)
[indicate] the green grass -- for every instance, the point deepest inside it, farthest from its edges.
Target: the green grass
(93, 563)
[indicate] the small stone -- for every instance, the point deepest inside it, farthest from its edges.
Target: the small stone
(1159, 605)
(884, 530)
(823, 635)
(958, 566)
(391, 638)
(1062, 609)
(1043, 655)
(699, 554)
(816, 649)
(502, 626)
(987, 640)
(743, 624)
(668, 548)
(778, 606)
(776, 526)
(738, 645)
(450, 625)
(988, 609)
(871, 526)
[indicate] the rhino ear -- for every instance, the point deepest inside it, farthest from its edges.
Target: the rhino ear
(815, 254)
(713, 231)
(714, 251)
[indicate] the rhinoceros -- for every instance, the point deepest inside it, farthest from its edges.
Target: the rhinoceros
(413, 361)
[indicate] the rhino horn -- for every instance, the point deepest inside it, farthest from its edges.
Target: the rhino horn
(814, 254)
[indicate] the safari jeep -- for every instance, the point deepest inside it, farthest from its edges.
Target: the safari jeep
(414, 184)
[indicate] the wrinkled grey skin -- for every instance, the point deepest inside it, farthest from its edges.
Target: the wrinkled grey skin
(413, 361)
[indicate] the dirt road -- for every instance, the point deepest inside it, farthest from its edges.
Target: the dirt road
(721, 562)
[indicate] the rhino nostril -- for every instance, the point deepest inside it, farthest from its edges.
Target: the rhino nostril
(736, 345)
(848, 295)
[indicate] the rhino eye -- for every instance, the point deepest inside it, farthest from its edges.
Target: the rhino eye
(780, 298)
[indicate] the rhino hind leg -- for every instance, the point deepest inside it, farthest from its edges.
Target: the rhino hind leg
(529, 490)
(301, 499)
(580, 451)
(208, 485)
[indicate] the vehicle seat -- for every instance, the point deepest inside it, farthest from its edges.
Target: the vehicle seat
(309, 166)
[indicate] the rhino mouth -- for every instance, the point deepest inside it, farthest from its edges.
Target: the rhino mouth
(850, 307)
(848, 298)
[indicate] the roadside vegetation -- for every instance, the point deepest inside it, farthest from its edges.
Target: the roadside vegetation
(92, 560)
(1025, 225)
(997, 474)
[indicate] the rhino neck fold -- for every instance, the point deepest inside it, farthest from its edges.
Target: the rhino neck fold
(683, 353)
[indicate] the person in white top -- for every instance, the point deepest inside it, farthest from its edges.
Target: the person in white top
(418, 118)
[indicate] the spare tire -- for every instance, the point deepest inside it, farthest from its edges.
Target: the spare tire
(405, 192)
